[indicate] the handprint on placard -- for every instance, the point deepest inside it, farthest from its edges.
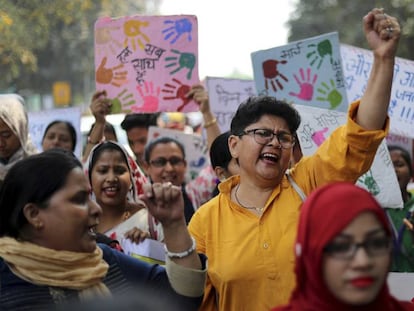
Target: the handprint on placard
(368, 180)
(271, 74)
(132, 30)
(182, 60)
(111, 75)
(150, 97)
(331, 94)
(305, 84)
(104, 41)
(318, 137)
(178, 91)
(177, 28)
(323, 49)
(122, 100)
(198, 163)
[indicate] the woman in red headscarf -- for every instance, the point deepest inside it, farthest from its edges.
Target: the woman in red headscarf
(343, 254)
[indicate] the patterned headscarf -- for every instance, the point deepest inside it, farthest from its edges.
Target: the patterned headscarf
(13, 113)
(325, 213)
(138, 178)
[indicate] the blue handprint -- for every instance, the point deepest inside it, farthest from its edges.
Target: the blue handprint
(178, 28)
(185, 60)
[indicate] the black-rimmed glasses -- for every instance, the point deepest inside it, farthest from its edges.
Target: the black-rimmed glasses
(265, 136)
(346, 250)
(161, 162)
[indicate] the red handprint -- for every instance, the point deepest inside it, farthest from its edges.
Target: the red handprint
(180, 90)
(271, 74)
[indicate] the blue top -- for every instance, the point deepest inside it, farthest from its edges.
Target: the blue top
(124, 274)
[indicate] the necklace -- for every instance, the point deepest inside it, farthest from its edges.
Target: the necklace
(257, 209)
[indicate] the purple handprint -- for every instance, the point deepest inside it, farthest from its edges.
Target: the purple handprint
(179, 27)
(306, 85)
(319, 137)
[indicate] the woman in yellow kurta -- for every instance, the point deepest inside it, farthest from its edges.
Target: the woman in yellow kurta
(248, 230)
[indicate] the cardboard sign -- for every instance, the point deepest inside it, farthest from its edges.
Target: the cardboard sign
(38, 121)
(381, 180)
(225, 96)
(357, 65)
(196, 153)
(147, 63)
(307, 72)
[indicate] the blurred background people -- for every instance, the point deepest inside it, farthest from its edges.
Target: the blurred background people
(403, 252)
(59, 134)
(15, 143)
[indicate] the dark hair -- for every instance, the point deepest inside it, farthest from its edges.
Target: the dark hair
(32, 180)
(405, 155)
(139, 120)
(253, 108)
(219, 151)
(106, 145)
(108, 127)
(70, 128)
(162, 140)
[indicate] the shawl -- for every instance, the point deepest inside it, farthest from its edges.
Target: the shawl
(13, 113)
(325, 213)
(44, 266)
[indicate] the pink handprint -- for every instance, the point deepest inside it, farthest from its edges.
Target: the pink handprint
(180, 91)
(306, 85)
(150, 96)
(319, 136)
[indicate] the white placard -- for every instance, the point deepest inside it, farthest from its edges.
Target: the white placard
(317, 124)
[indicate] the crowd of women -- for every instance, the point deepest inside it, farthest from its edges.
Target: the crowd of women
(271, 234)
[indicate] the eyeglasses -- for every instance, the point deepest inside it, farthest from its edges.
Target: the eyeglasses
(161, 162)
(346, 250)
(265, 136)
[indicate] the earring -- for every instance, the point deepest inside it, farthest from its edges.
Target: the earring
(38, 225)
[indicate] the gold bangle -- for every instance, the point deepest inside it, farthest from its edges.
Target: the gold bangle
(210, 123)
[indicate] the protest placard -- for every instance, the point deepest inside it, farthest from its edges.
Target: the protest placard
(317, 124)
(306, 72)
(225, 96)
(147, 63)
(357, 64)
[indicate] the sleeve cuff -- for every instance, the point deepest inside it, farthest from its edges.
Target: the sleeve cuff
(186, 281)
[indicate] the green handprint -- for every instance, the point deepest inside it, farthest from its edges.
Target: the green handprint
(323, 49)
(120, 101)
(332, 95)
(185, 60)
(368, 180)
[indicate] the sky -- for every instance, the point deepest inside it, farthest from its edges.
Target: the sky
(230, 30)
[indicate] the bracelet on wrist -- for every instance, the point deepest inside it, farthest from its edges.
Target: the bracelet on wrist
(186, 253)
(210, 123)
(96, 142)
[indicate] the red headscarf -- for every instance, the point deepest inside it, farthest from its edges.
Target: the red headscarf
(325, 213)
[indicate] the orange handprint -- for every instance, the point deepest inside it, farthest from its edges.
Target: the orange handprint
(111, 75)
(132, 28)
